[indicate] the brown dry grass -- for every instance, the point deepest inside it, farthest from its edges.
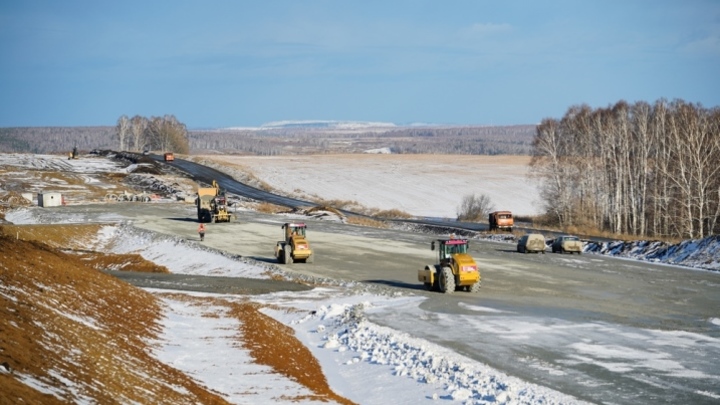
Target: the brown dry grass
(274, 344)
(365, 221)
(63, 321)
(392, 214)
(268, 208)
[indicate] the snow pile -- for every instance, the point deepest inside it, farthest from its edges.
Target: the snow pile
(166, 251)
(434, 371)
(701, 253)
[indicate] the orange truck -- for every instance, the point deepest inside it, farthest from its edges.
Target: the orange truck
(501, 220)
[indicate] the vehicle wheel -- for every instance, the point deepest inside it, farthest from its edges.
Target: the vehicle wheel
(310, 258)
(447, 281)
(281, 256)
(428, 286)
(288, 255)
(475, 288)
(543, 252)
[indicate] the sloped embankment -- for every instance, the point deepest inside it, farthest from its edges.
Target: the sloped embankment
(72, 334)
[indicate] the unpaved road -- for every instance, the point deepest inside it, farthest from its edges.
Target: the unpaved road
(589, 319)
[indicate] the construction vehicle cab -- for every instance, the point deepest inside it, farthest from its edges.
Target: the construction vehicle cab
(295, 247)
(455, 270)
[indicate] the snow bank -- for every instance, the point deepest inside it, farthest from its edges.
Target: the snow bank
(700, 253)
(367, 355)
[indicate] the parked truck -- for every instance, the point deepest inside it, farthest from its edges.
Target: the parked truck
(501, 220)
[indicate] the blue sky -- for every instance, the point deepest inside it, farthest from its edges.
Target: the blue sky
(245, 63)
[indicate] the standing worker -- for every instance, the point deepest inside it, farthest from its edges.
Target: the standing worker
(201, 231)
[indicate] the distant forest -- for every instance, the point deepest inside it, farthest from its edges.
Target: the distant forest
(470, 140)
(640, 169)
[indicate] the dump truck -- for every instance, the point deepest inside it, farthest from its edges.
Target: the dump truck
(455, 270)
(212, 204)
(502, 220)
(295, 247)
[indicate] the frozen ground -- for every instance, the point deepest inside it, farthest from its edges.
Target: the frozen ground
(366, 362)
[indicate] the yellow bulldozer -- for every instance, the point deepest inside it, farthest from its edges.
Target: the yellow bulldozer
(295, 247)
(212, 205)
(455, 270)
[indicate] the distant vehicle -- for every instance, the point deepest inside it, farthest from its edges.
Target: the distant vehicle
(532, 242)
(567, 243)
(146, 152)
(169, 157)
(501, 220)
(73, 154)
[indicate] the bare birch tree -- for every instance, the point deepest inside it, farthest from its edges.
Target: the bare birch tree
(139, 126)
(639, 169)
(122, 128)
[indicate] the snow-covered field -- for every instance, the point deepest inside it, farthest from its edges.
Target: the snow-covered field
(364, 362)
(421, 185)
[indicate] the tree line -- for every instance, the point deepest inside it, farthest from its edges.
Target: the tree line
(167, 133)
(164, 133)
(640, 169)
(469, 140)
(54, 139)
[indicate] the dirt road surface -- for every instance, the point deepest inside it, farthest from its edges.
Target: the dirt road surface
(596, 300)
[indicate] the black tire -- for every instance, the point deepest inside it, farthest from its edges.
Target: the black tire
(447, 281)
(288, 255)
(310, 259)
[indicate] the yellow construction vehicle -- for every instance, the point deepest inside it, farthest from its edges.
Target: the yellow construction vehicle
(295, 247)
(212, 205)
(456, 269)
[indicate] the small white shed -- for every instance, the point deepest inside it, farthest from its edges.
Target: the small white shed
(50, 199)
